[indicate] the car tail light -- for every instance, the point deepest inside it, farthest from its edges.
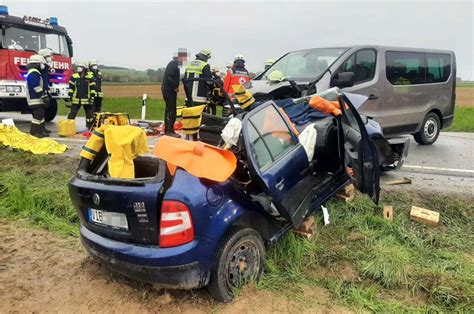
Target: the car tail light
(176, 224)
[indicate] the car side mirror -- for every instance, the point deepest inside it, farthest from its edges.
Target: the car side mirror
(364, 118)
(342, 79)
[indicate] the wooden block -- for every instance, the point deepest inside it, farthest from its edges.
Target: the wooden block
(424, 215)
(307, 235)
(388, 212)
(308, 225)
(346, 198)
(347, 190)
(400, 181)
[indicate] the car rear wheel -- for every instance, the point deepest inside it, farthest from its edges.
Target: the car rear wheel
(429, 130)
(240, 258)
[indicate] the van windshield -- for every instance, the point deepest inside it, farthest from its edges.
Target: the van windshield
(16, 38)
(305, 65)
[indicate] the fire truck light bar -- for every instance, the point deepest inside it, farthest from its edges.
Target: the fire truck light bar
(3, 10)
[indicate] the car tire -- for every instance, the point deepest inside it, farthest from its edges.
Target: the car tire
(51, 111)
(240, 252)
(429, 130)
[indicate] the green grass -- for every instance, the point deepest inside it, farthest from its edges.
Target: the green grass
(362, 260)
(465, 84)
(463, 120)
(130, 105)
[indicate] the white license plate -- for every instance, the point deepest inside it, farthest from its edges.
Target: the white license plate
(114, 220)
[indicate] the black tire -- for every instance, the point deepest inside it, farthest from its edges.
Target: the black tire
(51, 111)
(241, 252)
(429, 131)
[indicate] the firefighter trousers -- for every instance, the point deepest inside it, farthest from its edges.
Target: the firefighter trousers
(89, 110)
(37, 120)
(98, 104)
(170, 110)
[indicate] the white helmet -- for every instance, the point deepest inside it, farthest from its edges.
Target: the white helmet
(82, 64)
(239, 57)
(46, 52)
(93, 62)
(37, 59)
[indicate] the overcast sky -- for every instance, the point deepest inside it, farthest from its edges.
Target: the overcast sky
(144, 34)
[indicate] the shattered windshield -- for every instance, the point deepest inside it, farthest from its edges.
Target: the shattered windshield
(305, 65)
(27, 40)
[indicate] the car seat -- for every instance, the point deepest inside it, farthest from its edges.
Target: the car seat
(211, 128)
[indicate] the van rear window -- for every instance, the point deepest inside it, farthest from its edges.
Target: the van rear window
(411, 68)
(438, 67)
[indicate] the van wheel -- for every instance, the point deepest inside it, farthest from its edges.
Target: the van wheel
(429, 130)
(240, 258)
(51, 111)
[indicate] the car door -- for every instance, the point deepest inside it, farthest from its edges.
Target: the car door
(360, 153)
(278, 162)
(365, 65)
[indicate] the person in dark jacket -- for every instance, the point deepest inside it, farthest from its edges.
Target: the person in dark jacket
(169, 88)
(94, 68)
(36, 95)
(47, 54)
(198, 68)
(82, 93)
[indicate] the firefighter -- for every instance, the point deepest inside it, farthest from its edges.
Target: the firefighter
(82, 93)
(36, 94)
(94, 68)
(169, 89)
(269, 63)
(216, 96)
(48, 56)
(199, 68)
(238, 75)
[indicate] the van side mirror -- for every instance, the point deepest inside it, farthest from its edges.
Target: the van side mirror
(342, 79)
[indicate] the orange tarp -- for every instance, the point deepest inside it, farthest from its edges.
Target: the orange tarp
(325, 106)
(197, 158)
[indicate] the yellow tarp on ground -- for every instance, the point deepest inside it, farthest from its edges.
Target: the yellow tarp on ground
(10, 136)
(124, 143)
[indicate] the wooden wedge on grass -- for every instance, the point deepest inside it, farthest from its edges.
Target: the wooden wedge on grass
(346, 194)
(400, 181)
(307, 227)
(423, 215)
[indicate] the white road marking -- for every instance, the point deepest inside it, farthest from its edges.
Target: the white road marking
(437, 168)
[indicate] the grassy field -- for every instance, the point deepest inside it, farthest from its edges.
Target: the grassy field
(463, 120)
(366, 262)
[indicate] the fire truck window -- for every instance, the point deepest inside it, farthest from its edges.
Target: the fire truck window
(21, 39)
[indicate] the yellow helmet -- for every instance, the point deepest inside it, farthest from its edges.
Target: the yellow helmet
(206, 53)
(275, 76)
(36, 59)
(269, 62)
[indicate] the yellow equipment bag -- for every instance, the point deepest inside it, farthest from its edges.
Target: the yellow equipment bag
(67, 127)
(124, 143)
(192, 119)
(110, 118)
(10, 136)
(94, 144)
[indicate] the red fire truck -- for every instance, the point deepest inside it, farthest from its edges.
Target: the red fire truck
(20, 38)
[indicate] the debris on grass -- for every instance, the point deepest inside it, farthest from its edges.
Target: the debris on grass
(388, 212)
(405, 180)
(423, 215)
(346, 194)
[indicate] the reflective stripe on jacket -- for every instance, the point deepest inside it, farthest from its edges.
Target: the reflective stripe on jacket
(82, 88)
(199, 90)
(34, 87)
(235, 77)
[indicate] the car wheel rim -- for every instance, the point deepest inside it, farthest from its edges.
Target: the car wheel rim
(243, 264)
(430, 128)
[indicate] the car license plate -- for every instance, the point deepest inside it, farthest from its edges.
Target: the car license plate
(111, 219)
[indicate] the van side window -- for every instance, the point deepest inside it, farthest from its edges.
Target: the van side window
(362, 64)
(438, 67)
(269, 136)
(405, 68)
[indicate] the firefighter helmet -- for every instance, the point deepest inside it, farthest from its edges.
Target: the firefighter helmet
(93, 62)
(239, 57)
(37, 59)
(82, 64)
(269, 62)
(276, 76)
(46, 52)
(205, 53)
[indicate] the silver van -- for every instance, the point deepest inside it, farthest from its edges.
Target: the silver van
(411, 91)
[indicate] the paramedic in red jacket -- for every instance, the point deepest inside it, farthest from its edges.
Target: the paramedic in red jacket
(238, 75)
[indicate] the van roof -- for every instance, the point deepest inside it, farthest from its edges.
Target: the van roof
(386, 48)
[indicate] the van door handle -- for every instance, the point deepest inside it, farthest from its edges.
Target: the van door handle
(373, 96)
(280, 184)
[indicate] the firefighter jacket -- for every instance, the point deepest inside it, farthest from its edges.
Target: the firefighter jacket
(35, 92)
(45, 75)
(199, 90)
(98, 83)
(238, 75)
(82, 88)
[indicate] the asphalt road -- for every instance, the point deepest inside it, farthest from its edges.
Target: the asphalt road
(446, 166)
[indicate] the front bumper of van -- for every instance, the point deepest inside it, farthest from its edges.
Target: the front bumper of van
(180, 267)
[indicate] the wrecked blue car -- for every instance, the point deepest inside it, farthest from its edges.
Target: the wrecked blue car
(181, 231)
